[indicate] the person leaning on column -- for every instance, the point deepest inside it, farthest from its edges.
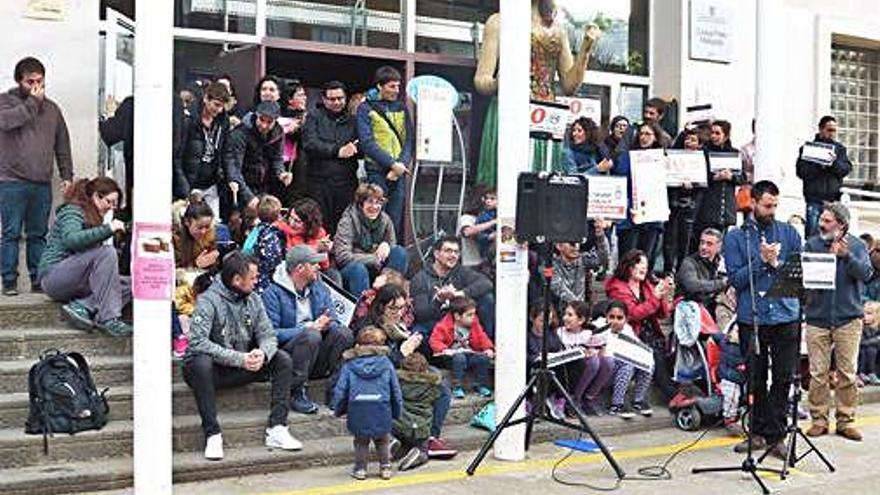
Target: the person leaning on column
(835, 319)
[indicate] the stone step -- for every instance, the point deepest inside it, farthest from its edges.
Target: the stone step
(243, 428)
(29, 342)
(107, 371)
(116, 473)
(26, 309)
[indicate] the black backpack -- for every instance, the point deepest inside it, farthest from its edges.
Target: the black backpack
(63, 398)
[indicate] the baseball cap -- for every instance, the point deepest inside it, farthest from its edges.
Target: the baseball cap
(302, 253)
(269, 109)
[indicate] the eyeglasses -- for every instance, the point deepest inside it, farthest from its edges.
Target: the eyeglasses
(374, 201)
(395, 307)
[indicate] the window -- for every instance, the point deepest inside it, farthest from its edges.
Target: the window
(855, 95)
(231, 16)
(623, 47)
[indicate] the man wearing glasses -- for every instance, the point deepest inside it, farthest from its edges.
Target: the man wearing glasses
(331, 145)
(822, 181)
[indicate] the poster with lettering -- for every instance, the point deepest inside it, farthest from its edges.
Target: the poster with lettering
(152, 261)
(434, 125)
(606, 197)
(590, 108)
(685, 167)
(648, 175)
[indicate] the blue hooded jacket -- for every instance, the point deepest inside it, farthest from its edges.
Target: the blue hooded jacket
(368, 392)
(280, 303)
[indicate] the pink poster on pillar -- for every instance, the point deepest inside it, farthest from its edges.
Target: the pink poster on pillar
(152, 261)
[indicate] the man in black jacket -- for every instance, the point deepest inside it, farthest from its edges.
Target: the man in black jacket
(698, 278)
(822, 182)
(436, 284)
(198, 161)
(331, 145)
(257, 161)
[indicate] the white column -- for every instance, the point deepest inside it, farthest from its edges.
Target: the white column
(408, 25)
(771, 156)
(513, 157)
(260, 18)
(152, 346)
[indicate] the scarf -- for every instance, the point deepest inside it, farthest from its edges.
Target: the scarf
(372, 233)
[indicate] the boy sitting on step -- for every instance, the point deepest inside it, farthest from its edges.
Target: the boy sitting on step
(460, 344)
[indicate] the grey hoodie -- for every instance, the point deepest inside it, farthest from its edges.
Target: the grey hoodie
(226, 326)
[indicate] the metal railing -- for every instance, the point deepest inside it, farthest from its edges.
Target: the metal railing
(864, 214)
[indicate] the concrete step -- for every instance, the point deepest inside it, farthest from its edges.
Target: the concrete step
(241, 428)
(107, 371)
(28, 342)
(26, 309)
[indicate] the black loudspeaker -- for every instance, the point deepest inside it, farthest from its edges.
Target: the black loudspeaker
(551, 208)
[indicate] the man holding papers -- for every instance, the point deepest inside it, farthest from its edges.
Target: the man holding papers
(822, 165)
(834, 319)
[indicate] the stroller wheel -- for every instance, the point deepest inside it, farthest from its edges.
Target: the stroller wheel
(688, 419)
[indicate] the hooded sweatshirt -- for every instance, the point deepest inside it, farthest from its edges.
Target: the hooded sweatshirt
(420, 390)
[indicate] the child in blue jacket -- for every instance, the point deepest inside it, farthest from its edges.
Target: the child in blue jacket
(369, 393)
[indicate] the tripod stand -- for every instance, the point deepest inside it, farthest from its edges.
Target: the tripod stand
(749, 464)
(543, 379)
(790, 284)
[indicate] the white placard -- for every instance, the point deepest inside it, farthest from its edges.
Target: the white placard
(648, 173)
(711, 29)
(685, 166)
(434, 125)
(606, 198)
(548, 120)
(344, 304)
(631, 351)
(820, 270)
(582, 107)
(725, 161)
(817, 152)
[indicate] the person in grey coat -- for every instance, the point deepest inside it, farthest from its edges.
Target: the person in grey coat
(232, 343)
(699, 278)
(365, 241)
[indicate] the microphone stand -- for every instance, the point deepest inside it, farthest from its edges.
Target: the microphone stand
(749, 464)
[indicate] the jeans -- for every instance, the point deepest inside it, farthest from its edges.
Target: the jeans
(868, 359)
(23, 204)
(845, 343)
(356, 276)
(779, 345)
(441, 409)
(362, 450)
(395, 193)
(814, 210)
(317, 354)
(205, 376)
(476, 362)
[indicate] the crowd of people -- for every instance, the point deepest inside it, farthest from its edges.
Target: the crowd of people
(281, 208)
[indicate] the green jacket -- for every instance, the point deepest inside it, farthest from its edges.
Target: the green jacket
(70, 234)
(420, 390)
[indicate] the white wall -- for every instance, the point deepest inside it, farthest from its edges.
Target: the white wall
(69, 50)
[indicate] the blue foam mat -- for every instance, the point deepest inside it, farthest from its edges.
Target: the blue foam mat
(581, 445)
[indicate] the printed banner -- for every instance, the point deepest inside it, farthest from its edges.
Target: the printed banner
(606, 197)
(725, 161)
(648, 171)
(548, 120)
(152, 261)
(344, 304)
(582, 107)
(685, 166)
(820, 270)
(817, 152)
(631, 351)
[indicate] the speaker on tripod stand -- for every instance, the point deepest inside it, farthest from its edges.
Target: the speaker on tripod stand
(551, 208)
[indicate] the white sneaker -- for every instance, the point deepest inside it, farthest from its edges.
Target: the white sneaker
(279, 437)
(214, 447)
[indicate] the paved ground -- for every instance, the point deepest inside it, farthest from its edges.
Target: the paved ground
(857, 465)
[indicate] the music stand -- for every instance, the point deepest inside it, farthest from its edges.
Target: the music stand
(789, 283)
(544, 378)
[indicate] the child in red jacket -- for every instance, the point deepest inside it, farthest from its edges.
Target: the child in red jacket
(461, 344)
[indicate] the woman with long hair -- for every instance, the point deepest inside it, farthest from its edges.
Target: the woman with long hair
(647, 304)
(585, 152)
(77, 267)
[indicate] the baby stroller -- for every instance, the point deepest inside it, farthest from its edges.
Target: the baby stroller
(699, 398)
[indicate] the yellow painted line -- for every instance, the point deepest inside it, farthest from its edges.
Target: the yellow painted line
(492, 468)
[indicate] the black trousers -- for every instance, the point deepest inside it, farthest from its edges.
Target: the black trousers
(205, 377)
(317, 354)
(677, 238)
(333, 198)
(779, 355)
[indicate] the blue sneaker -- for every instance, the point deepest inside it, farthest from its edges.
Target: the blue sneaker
(300, 402)
(483, 391)
(458, 392)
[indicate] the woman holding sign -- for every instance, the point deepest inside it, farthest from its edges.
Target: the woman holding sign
(717, 208)
(632, 233)
(585, 153)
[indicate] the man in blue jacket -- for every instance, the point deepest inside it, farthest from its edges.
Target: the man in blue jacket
(835, 318)
(301, 311)
(387, 140)
(770, 243)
